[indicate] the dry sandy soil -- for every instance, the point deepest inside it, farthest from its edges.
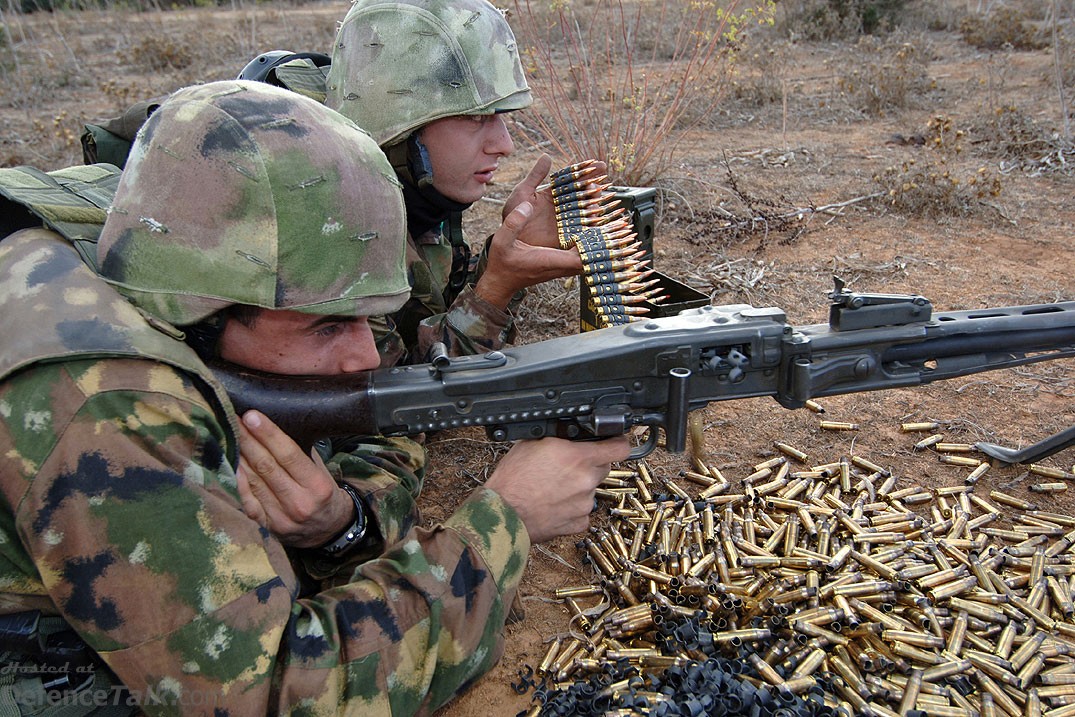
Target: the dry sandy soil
(805, 151)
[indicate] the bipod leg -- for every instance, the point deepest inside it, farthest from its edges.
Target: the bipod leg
(1032, 453)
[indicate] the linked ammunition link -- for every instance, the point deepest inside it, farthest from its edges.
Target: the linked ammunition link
(590, 219)
(818, 588)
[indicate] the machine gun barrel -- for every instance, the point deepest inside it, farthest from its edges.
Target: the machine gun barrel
(951, 344)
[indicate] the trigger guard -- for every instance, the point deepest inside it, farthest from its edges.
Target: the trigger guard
(644, 449)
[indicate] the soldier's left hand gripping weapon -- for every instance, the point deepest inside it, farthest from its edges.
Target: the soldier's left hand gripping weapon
(655, 371)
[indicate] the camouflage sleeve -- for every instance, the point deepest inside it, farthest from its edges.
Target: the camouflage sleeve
(478, 265)
(470, 326)
(129, 523)
(387, 473)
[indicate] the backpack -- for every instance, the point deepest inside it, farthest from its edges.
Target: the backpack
(109, 141)
(73, 202)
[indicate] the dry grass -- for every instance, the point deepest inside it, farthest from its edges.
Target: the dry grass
(71, 67)
(623, 81)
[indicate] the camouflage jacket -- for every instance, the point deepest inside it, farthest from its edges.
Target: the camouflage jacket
(469, 325)
(120, 514)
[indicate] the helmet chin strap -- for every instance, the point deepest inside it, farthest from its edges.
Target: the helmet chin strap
(410, 159)
(418, 161)
(427, 208)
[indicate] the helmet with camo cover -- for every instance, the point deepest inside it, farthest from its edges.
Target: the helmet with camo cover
(400, 64)
(239, 192)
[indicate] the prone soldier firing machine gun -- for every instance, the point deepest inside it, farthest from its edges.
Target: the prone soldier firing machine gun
(655, 371)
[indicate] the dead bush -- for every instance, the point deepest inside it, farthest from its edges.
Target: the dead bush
(46, 138)
(940, 16)
(625, 101)
(758, 78)
(1065, 56)
(161, 53)
(934, 184)
(827, 20)
(893, 76)
(1010, 134)
(1004, 27)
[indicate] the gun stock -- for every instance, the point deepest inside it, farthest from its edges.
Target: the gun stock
(654, 372)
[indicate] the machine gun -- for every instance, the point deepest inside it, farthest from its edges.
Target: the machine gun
(654, 372)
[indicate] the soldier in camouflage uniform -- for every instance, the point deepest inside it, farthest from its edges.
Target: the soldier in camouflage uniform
(158, 524)
(430, 79)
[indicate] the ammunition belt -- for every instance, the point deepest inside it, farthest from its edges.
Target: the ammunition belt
(590, 219)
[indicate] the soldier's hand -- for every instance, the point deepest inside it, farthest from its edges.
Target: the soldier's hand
(515, 265)
(285, 490)
(551, 482)
(541, 229)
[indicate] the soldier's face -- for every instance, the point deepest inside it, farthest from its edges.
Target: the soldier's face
(465, 151)
(293, 343)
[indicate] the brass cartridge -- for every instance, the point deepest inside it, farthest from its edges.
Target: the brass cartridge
(918, 639)
(929, 441)
(978, 609)
(979, 471)
(740, 636)
(1000, 697)
(1031, 669)
(1050, 472)
(837, 426)
(791, 451)
(918, 426)
(955, 447)
(1011, 500)
(952, 589)
(960, 461)
(578, 591)
(1047, 487)
(765, 670)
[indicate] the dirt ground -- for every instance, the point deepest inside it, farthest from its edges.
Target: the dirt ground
(792, 157)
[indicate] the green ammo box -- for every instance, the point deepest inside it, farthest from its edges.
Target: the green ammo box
(638, 201)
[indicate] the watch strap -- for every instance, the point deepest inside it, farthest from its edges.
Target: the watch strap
(354, 533)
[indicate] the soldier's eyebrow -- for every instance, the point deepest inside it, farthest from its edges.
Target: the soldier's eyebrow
(332, 319)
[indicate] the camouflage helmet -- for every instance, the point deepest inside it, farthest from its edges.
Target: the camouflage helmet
(239, 192)
(400, 64)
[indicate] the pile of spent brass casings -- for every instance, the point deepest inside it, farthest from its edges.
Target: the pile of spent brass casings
(827, 582)
(589, 218)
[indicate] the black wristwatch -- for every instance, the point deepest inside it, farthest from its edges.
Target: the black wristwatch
(355, 532)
